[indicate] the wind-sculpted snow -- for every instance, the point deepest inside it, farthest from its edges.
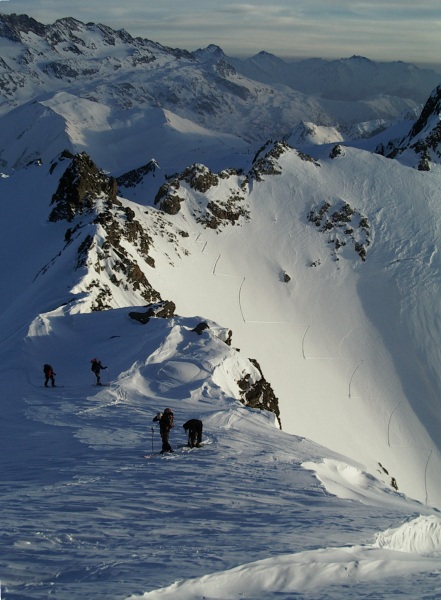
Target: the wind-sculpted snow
(90, 509)
(314, 574)
(419, 536)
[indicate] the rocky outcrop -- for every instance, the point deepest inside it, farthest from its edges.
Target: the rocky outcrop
(265, 160)
(336, 151)
(259, 394)
(13, 26)
(192, 186)
(227, 211)
(134, 177)
(431, 109)
(80, 186)
(160, 310)
(167, 198)
(201, 327)
(117, 251)
(343, 225)
(423, 139)
(200, 178)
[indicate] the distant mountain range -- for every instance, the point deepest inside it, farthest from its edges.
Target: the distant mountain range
(224, 101)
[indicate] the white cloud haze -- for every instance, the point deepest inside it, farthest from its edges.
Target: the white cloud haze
(377, 29)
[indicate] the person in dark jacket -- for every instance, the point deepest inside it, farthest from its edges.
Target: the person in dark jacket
(96, 368)
(166, 424)
(194, 429)
(49, 375)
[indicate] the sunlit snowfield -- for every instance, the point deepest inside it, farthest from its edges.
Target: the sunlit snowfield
(344, 501)
(85, 513)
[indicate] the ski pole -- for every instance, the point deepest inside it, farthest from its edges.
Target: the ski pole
(153, 430)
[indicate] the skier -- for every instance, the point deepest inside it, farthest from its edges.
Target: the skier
(166, 423)
(96, 368)
(194, 429)
(49, 375)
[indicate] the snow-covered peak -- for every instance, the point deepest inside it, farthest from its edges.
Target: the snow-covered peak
(253, 100)
(421, 147)
(210, 53)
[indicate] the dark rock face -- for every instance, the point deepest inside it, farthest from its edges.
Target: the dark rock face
(134, 177)
(228, 211)
(89, 196)
(344, 225)
(81, 184)
(424, 138)
(432, 107)
(168, 199)
(200, 178)
(265, 160)
(336, 151)
(161, 310)
(259, 394)
(12, 26)
(229, 338)
(200, 327)
(119, 225)
(210, 213)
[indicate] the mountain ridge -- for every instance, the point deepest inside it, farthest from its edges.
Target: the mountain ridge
(215, 269)
(129, 75)
(202, 198)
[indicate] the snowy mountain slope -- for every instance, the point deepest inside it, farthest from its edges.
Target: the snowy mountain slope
(342, 322)
(119, 140)
(84, 514)
(126, 77)
(320, 264)
(286, 260)
(420, 147)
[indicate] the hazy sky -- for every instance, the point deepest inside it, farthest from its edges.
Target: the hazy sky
(408, 30)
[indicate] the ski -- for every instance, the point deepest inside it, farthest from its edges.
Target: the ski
(179, 450)
(158, 454)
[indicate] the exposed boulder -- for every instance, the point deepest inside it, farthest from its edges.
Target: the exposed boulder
(200, 327)
(336, 151)
(160, 310)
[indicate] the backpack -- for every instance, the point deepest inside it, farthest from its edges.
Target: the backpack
(167, 420)
(95, 366)
(47, 369)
